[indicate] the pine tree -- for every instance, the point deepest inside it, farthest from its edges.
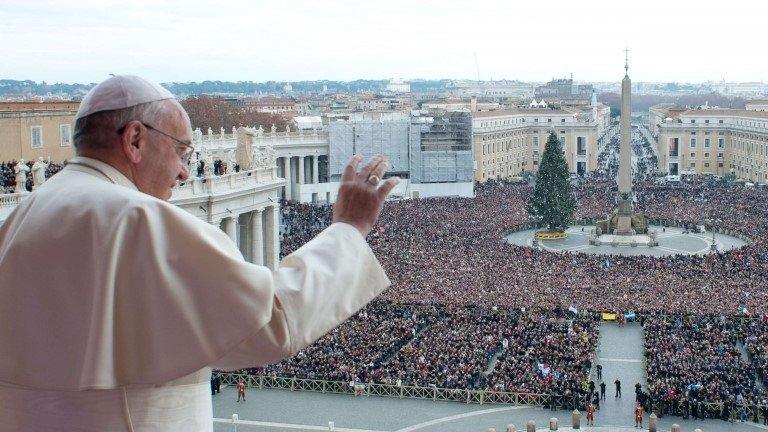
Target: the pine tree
(552, 203)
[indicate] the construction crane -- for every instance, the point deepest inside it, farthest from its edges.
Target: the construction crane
(477, 67)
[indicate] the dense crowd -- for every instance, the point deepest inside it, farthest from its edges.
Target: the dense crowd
(451, 250)
(352, 351)
(705, 366)
(453, 347)
(561, 350)
(450, 253)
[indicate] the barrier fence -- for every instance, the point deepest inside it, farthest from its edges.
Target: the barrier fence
(704, 410)
(386, 390)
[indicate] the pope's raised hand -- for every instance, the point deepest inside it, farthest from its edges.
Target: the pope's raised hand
(362, 194)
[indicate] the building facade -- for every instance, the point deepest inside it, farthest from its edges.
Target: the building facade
(716, 141)
(30, 130)
(398, 86)
(564, 90)
(432, 147)
(507, 143)
(496, 89)
(271, 105)
(757, 105)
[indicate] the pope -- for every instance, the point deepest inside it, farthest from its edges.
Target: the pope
(117, 305)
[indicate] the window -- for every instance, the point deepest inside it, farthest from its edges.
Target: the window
(706, 155)
(693, 121)
(721, 143)
(706, 142)
(706, 121)
(581, 147)
(693, 165)
(706, 164)
(720, 121)
(693, 143)
(535, 140)
(37, 137)
(562, 120)
(65, 132)
(693, 155)
(720, 155)
(673, 147)
(549, 120)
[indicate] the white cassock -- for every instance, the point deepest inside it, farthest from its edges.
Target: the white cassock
(116, 305)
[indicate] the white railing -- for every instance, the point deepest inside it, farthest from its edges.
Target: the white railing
(261, 139)
(203, 186)
(11, 200)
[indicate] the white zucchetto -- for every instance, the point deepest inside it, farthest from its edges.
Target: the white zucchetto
(121, 91)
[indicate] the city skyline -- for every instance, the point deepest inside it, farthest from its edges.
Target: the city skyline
(179, 41)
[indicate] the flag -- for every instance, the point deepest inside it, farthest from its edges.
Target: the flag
(544, 369)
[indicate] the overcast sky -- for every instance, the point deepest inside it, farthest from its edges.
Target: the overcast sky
(191, 40)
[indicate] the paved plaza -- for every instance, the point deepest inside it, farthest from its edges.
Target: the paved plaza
(672, 241)
(619, 352)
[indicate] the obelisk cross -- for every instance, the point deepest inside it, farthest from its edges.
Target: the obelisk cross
(626, 60)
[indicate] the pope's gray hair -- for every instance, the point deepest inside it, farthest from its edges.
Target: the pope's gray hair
(98, 130)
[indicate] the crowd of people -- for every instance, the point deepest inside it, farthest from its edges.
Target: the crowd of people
(503, 350)
(450, 253)
(696, 368)
(451, 250)
(352, 351)
(561, 350)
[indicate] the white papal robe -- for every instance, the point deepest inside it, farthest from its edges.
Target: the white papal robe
(115, 306)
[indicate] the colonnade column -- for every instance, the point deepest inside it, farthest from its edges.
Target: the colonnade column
(301, 170)
(300, 177)
(315, 172)
(257, 238)
(230, 227)
(271, 233)
(288, 178)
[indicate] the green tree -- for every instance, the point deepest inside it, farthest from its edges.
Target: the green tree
(552, 203)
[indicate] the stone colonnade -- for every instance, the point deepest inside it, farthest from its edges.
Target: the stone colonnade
(298, 170)
(256, 233)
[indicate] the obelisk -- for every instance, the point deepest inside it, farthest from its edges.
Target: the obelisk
(625, 160)
(624, 224)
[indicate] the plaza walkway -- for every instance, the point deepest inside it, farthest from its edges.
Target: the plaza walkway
(620, 352)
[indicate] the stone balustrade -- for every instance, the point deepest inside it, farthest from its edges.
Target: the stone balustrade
(11, 200)
(216, 142)
(204, 186)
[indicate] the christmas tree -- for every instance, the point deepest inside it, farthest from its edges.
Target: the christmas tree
(552, 203)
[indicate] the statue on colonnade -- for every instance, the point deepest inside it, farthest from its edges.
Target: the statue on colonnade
(21, 171)
(38, 172)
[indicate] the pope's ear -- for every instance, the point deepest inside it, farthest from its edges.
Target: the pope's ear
(133, 140)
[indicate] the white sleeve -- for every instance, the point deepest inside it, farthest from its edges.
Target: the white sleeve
(316, 288)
